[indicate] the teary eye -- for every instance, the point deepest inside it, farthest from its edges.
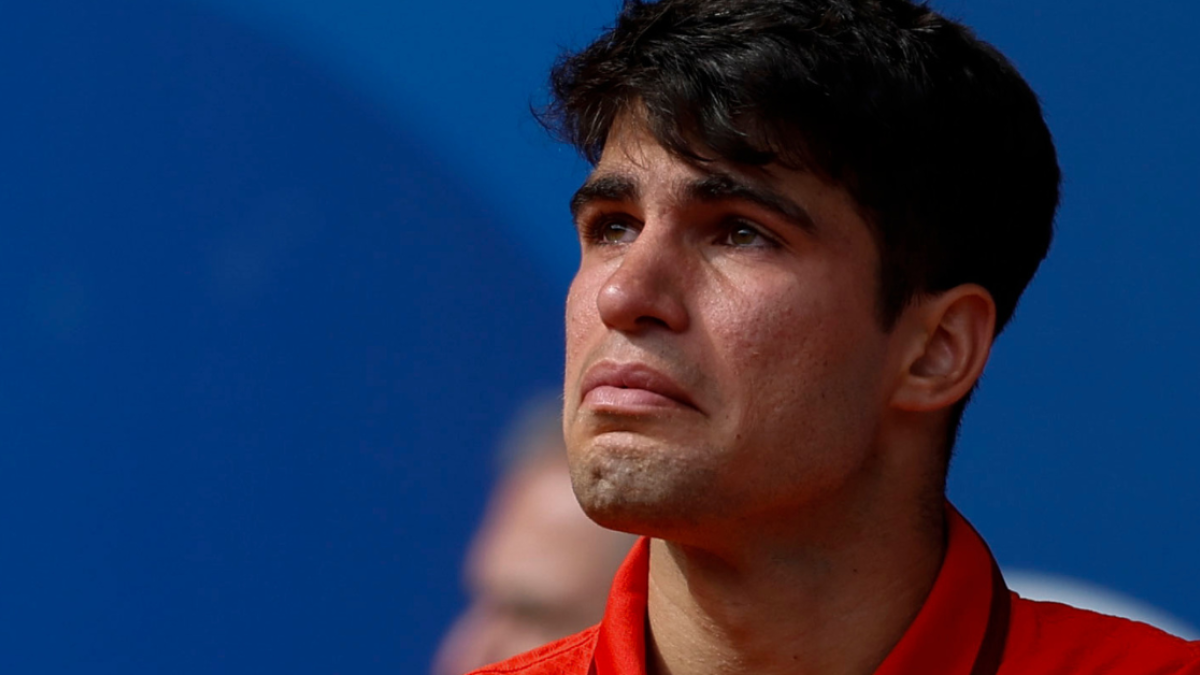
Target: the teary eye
(615, 232)
(746, 236)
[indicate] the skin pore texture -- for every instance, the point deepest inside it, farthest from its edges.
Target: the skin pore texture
(731, 393)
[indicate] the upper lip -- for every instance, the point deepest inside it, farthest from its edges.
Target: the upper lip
(633, 376)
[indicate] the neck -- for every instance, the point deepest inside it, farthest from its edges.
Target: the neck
(827, 593)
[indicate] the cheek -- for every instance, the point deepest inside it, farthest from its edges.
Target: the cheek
(583, 329)
(764, 331)
(580, 313)
(801, 359)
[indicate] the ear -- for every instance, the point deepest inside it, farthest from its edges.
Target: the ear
(950, 338)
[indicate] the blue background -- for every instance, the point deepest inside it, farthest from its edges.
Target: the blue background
(276, 272)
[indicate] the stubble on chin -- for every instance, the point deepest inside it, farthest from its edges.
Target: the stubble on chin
(638, 488)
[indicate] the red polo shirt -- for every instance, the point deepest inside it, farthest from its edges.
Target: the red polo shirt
(970, 624)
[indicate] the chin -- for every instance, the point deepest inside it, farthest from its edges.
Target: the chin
(648, 491)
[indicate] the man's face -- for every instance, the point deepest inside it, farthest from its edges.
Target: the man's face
(725, 362)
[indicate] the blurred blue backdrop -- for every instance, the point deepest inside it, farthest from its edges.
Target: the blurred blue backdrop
(275, 274)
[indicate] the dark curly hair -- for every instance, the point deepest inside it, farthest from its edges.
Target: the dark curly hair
(932, 131)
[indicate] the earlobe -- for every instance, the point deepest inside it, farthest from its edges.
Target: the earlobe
(952, 338)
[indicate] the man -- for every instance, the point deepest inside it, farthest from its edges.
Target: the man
(807, 222)
(537, 569)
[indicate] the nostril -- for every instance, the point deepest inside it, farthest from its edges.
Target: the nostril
(654, 321)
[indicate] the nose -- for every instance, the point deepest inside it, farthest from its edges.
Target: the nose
(648, 287)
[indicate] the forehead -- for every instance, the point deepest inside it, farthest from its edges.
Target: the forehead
(635, 167)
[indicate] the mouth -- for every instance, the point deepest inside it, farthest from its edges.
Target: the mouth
(631, 388)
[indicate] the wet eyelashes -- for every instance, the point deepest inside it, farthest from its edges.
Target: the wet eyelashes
(613, 230)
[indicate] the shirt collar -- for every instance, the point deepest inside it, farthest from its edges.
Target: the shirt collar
(621, 643)
(960, 629)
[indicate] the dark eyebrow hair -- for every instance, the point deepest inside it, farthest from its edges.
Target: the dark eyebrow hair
(713, 187)
(604, 187)
(720, 187)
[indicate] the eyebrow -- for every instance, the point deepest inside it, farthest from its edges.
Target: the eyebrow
(604, 188)
(722, 187)
(714, 187)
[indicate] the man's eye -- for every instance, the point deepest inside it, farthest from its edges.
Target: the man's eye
(615, 232)
(746, 236)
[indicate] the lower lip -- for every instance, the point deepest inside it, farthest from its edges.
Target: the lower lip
(617, 400)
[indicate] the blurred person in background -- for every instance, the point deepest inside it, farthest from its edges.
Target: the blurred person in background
(537, 569)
